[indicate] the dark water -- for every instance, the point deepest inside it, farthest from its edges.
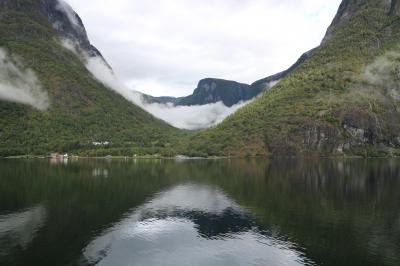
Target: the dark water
(228, 212)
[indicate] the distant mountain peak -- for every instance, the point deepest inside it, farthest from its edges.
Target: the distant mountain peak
(210, 90)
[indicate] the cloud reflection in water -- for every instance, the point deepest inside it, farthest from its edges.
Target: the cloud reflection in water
(190, 224)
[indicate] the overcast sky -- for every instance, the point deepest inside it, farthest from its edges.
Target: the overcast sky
(164, 47)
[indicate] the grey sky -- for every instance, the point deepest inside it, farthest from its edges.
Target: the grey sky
(163, 47)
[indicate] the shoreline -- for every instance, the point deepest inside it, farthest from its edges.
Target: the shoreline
(186, 158)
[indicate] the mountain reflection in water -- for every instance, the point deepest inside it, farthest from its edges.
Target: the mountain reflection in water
(200, 212)
(190, 224)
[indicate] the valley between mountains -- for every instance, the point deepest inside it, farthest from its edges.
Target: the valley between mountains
(58, 94)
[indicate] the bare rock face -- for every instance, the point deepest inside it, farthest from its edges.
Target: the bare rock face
(395, 7)
(65, 21)
(68, 25)
(211, 90)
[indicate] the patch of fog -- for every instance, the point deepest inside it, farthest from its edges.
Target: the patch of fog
(272, 83)
(384, 72)
(192, 117)
(185, 117)
(71, 46)
(382, 69)
(19, 84)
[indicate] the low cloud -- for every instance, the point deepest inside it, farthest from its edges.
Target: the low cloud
(20, 85)
(192, 117)
(185, 117)
(383, 69)
(384, 73)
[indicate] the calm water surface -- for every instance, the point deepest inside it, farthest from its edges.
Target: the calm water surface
(227, 212)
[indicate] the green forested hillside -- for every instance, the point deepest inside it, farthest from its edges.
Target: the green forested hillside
(343, 100)
(82, 110)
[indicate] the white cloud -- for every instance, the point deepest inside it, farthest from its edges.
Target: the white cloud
(192, 117)
(163, 47)
(186, 117)
(384, 72)
(20, 85)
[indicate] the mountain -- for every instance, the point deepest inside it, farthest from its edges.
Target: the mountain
(212, 90)
(345, 99)
(216, 90)
(50, 102)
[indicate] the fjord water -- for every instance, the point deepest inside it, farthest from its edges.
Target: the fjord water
(200, 212)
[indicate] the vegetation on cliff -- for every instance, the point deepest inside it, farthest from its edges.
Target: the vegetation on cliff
(334, 103)
(81, 110)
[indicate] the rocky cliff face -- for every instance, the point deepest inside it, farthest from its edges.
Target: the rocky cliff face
(68, 25)
(216, 90)
(64, 20)
(395, 7)
(210, 90)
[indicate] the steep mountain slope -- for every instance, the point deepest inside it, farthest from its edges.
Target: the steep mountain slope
(345, 99)
(80, 110)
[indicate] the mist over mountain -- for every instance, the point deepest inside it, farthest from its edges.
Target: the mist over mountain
(20, 85)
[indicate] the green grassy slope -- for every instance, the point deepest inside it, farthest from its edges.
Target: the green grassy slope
(328, 105)
(81, 109)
